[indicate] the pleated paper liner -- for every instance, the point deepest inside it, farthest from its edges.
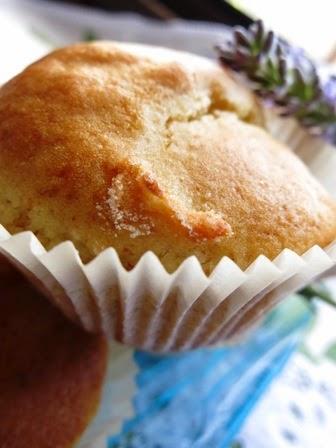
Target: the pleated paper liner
(151, 309)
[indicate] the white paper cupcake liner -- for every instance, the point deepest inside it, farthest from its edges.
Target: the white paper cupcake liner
(315, 264)
(150, 309)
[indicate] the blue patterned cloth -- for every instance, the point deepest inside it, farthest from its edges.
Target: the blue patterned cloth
(200, 399)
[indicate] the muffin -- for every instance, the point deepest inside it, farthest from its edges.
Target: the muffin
(51, 372)
(142, 149)
(114, 145)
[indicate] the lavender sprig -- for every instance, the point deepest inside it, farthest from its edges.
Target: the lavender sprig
(284, 76)
(319, 291)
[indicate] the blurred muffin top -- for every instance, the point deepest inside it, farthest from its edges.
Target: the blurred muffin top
(51, 372)
(142, 148)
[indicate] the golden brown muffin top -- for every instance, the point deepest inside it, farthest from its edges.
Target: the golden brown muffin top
(139, 148)
(51, 372)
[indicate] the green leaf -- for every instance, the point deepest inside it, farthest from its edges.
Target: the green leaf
(318, 290)
(237, 444)
(89, 35)
(331, 352)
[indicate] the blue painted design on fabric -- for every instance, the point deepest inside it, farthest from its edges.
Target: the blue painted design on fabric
(200, 399)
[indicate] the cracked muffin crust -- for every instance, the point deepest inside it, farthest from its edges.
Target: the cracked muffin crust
(142, 148)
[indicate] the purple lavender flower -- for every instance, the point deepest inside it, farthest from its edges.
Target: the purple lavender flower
(329, 91)
(284, 76)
